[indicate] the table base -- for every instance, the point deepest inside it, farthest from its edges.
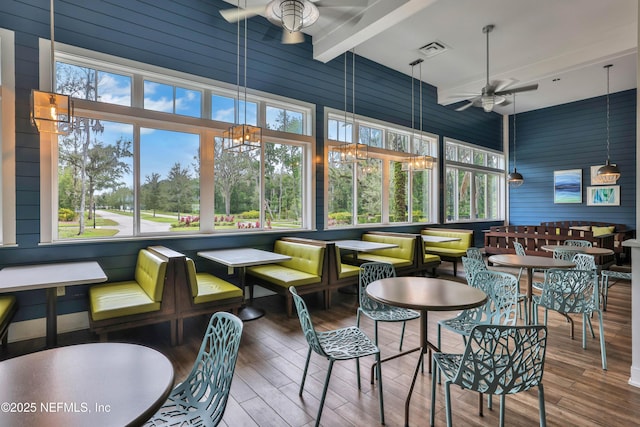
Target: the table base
(248, 313)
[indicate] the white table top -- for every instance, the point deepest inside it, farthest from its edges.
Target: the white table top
(40, 276)
(363, 245)
(243, 257)
(439, 239)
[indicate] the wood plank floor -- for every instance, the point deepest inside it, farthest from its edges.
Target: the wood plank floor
(273, 350)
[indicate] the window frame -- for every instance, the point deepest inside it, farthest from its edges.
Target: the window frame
(139, 117)
(499, 172)
(7, 138)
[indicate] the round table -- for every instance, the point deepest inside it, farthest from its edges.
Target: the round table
(530, 262)
(98, 384)
(424, 294)
(595, 251)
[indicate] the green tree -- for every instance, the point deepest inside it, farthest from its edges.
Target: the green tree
(152, 192)
(180, 191)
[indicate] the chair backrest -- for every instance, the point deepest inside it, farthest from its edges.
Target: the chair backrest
(579, 243)
(502, 297)
(584, 262)
(474, 253)
(471, 266)
(206, 389)
(306, 323)
(570, 291)
(519, 248)
(370, 272)
(503, 359)
(564, 254)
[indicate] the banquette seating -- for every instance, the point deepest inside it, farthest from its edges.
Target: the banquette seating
(144, 300)
(404, 257)
(452, 251)
(307, 271)
(8, 307)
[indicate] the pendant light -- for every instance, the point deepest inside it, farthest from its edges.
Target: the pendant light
(351, 151)
(51, 112)
(608, 173)
(417, 161)
(242, 138)
(515, 178)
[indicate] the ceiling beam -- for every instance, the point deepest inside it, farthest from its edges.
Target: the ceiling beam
(370, 22)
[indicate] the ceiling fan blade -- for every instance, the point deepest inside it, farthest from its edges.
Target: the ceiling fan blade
(465, 106)
(340, 3)
(518, 89)
(292, 38)
(235, 15)
(500, 85)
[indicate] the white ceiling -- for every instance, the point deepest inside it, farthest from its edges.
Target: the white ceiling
(560, 44)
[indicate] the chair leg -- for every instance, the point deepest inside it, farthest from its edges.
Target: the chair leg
(380, 398)
(440, 347)
(358, 318)
(543, 414)
(324, 391)
(404, 324)
(605, 292)
(432, 412)
(304, 374)
(603, 349)
(455, 268)
(502, 402)
(447, 399)
(357, 371)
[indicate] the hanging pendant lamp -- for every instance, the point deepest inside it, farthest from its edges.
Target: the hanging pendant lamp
(515, 178)
(242, 138)
(51, 112)
(351, 151)
(608, 173)
(416, 161)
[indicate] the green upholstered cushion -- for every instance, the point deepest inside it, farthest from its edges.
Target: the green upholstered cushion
(213, 288)
(403, 251)
(465, 242)
(445, 251)
(191, 276)
(304, 258)
(397, 262)
(348, 270)
(119, 299)
(150, 274)
(6, 304)
(431, 258)
(600, 231)
(283, 276)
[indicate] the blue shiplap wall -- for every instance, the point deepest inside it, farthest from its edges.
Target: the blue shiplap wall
(190, 36)
(573, 136)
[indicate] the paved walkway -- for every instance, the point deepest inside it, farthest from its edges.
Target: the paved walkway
(125, 224)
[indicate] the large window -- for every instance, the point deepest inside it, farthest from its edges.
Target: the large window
(474, 183)
(149, 160)
(383, 188)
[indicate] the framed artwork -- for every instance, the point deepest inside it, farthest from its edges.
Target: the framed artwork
(567, 186)
(603, 196)
(595, 179)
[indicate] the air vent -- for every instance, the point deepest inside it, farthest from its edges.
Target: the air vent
(433, 49)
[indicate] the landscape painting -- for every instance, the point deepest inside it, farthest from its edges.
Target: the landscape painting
(567, 186)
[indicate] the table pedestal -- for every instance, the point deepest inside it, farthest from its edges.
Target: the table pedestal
(246, 313)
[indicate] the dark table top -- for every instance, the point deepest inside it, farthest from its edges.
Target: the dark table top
(98, 384)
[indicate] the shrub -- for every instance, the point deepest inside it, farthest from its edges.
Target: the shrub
(250, 215)
(65, 214)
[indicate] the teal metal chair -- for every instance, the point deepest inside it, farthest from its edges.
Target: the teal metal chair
(579, 243)
(584, 262)
(339, 344)
(497, 360)
(378, 312)
(475, 253)
(500, 309)
(471, 266)
(561, 253)
(573, 292)
(606, 284)
(200, 400)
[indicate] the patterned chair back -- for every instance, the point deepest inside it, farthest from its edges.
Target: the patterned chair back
(370, 272)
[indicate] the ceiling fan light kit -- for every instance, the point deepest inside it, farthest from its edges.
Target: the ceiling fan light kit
(293, 14)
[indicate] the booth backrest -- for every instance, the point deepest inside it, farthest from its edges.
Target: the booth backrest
(304, 257)
(465, 236)
(150, 274)
(405, 245)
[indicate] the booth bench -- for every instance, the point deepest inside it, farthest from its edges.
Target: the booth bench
(452, 250)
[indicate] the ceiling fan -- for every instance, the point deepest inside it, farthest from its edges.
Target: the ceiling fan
(494, 93)
(291, 15)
